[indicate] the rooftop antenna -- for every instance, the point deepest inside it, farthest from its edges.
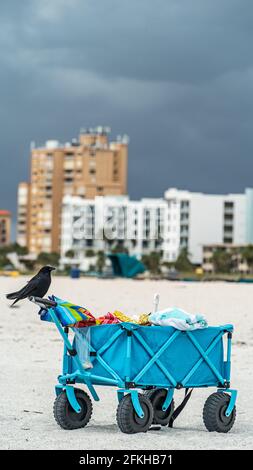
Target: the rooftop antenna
(125, 139)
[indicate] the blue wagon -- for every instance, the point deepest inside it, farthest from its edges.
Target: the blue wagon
(146, 364)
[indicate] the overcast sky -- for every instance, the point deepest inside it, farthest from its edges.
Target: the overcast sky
(175, 75)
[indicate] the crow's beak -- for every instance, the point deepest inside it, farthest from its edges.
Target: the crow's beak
(53, 269)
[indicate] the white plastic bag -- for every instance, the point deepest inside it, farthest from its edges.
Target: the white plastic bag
(82, 341)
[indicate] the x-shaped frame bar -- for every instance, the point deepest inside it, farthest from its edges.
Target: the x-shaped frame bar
(204, 357)
(155, 357)
(102, 350)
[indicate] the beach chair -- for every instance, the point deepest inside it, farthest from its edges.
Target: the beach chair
(146, 364)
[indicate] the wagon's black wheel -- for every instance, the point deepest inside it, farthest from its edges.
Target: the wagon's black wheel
(66, 416)
(128, 420)
(214, 415)
(157, 398)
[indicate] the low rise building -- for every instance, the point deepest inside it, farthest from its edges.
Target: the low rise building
(5, 227)
(236, 262)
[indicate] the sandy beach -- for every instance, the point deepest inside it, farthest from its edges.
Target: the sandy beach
(30, 362)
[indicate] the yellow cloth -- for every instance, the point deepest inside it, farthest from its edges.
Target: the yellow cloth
(142, 320)
(123, 318)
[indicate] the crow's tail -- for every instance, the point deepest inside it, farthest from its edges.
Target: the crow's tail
(13, 295)
(15, 301)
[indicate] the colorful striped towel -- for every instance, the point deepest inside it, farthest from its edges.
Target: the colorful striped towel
(69, 314)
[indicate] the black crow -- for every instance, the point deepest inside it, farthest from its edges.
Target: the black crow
(36, 287)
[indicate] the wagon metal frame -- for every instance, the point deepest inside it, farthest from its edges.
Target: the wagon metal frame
(129, 385)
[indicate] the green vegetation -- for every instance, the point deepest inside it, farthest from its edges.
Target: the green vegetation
(48, 258)
(70, 254)
(247, 255)
(183, 263)
(222, 261)
(90, 253)
(12, 248)
(100, 264)
(119, 248)
(3, 260)
(226, 262)
(152, 262)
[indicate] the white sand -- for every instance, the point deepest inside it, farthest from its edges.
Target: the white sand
(30, 362)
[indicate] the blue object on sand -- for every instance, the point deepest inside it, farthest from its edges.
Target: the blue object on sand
(124, 265)
(75, 273)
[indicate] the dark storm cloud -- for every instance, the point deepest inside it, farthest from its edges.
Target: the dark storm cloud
(176, 75)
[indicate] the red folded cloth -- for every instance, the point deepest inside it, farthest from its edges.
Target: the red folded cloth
(83, 323)
(109, 318)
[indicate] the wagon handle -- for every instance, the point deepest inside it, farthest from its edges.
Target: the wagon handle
(43, 303)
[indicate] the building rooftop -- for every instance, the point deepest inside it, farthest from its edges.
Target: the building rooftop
(4, 212)
(100, 134)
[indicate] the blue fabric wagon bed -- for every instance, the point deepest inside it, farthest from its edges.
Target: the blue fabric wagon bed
(157, 356)
(147, 364)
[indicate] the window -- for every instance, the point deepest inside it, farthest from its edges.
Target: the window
(228, 204)
(228, 217)
(228, 228)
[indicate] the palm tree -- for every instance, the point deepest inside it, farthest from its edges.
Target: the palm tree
(247, 255)
(183, 263)
(48, 258)
(152, 262)
(70, 254)
(119, 247)
(89, 253)
(222, 261)
(100, 261)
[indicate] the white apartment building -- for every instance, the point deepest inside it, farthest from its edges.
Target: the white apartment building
(141, 226)
(183, 219)
(212, 219)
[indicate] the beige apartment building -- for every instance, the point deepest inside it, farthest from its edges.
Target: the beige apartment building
(5, 227)
(88, 167)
